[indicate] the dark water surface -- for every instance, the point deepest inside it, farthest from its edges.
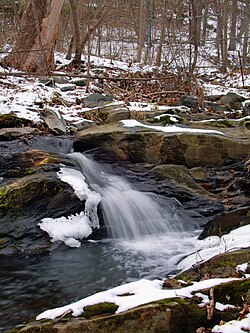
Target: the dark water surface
(32, 284)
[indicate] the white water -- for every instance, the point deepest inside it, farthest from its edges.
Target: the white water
(130, 214)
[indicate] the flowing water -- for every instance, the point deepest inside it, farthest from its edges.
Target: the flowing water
(147, 236)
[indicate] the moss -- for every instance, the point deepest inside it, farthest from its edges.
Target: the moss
(99, 309)
(164, 120)
(10, 120)
(22, 194)
(14, 330)
(234, 292)
(225, 123)
(224, 262)
(169, 301)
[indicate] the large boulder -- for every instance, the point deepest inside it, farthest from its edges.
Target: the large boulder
(155, 147)
(30, 191)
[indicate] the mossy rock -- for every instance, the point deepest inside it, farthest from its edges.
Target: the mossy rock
(173, 315)
(165, 120)
(29, 162)
(234, 292)
(99, 309)
(10, 120)
(220, 266)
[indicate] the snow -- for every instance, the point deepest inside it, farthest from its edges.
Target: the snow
(213, 245)
(77, 181)
(139, 292)
(67, 229)
(234, 326)
(168, 129)
(70, 229)
(222, 307)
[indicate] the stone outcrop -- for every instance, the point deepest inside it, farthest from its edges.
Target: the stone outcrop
(147, 146)
(29, 191)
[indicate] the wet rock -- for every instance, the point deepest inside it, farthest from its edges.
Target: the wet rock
(30, 191)
(182, 178)
(96, 100)
(14, 133)
(54, 122)
(226, 222)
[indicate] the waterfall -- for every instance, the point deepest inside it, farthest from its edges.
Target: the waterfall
(128, 213)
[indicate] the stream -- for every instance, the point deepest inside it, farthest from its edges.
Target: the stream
(147, 237)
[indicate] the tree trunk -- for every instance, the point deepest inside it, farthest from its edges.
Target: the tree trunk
(141, 37)
(232, 43)
(224, 52)
(77, 37)
(106, 8)
(34, 47)
(246, 34)
(162, 34)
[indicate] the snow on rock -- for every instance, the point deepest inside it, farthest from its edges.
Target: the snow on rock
(168, 129)
(234, 326)
(67, 229)
(213, 245)
(139, 292)
(222, 307)
(70, 229)
(77, 181)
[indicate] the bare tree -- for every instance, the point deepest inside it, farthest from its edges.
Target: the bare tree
(34, 48)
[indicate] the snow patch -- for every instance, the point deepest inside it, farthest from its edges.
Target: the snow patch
(169, 128)
(140, 292)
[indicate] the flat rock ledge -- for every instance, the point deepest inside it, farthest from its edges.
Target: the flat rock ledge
(169, 315)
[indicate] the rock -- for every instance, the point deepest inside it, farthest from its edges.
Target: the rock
(171, 315)
(79, 82)
(10, 120)
(96, 100)
(54, 122)
(215, 107)
(47, 81)
(181, 176)
(226, 222)
(189, 101)
(50, 81)
(232, 101)
(67, 87)
(81, 125)
(144, 145)
(246, 108)
(220, 266)
(29, 192)
(14, 133)
(117, 114)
